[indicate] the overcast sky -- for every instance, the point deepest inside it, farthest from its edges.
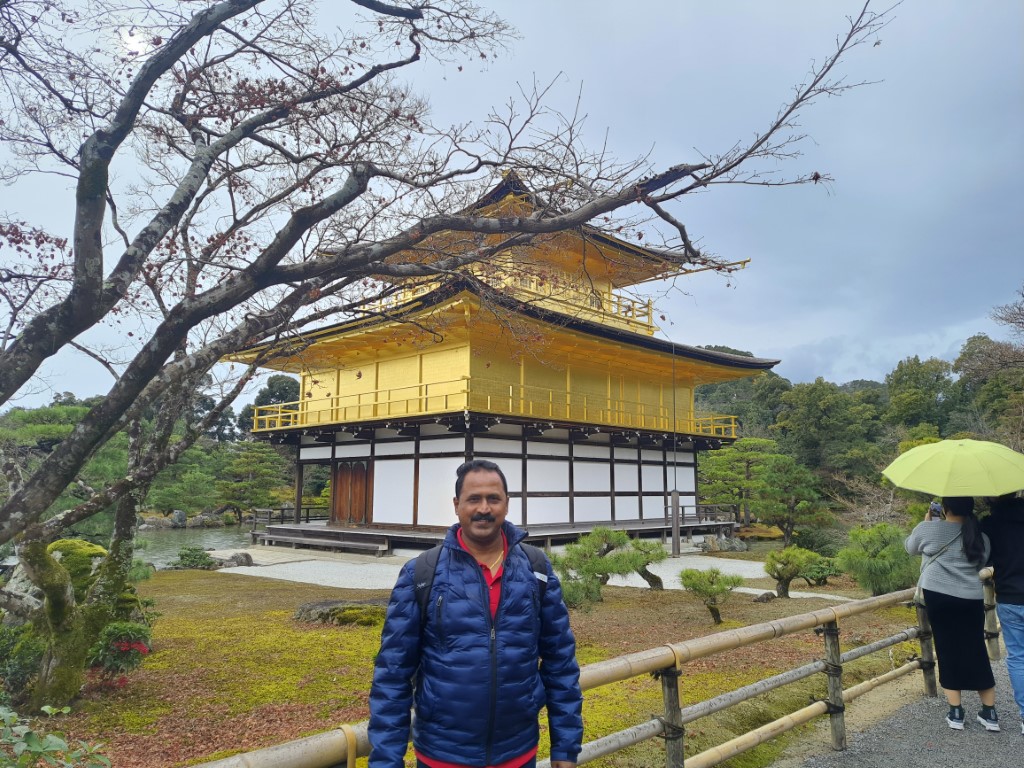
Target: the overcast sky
(905, 254)
(911, 247)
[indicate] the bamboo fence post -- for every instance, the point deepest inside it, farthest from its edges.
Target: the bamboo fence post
(924, 635)
(991, 620)
(834, 671)
(673, 718)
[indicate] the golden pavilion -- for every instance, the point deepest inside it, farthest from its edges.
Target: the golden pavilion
(539, 359)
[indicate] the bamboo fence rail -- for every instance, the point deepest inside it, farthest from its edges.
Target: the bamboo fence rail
(330, 749)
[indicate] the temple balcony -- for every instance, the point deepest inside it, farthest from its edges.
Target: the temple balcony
(597, 304)
(491, 397)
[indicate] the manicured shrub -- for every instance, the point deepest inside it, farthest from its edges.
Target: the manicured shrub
(825, 541)
(194, 557)
(588, 564)
(784, 565)
(817, 571)
(875, 557)
(711, 587)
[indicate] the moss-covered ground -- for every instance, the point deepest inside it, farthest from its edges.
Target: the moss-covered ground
(232, 671)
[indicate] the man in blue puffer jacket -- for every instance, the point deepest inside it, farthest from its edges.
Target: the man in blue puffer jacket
(492, 651)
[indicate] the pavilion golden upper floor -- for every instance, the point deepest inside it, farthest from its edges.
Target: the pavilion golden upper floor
(545, 334)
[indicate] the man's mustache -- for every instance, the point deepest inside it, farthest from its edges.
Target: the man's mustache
(482, 519)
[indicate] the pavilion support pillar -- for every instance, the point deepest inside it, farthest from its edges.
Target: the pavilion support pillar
(675, 524)
(298, 486)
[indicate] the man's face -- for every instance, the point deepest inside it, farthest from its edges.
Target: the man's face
(481, 507)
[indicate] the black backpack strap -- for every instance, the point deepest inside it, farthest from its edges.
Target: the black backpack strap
(539, 566)
(423, 579)
(426, 566)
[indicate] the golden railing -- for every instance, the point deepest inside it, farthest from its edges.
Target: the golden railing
(488, 396)
(601, 306)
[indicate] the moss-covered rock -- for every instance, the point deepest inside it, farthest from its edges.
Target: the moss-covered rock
(361, 613)
(81, 559)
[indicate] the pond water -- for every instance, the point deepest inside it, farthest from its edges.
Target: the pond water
(160, 546)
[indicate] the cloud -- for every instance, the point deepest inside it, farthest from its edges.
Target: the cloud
(906, 253)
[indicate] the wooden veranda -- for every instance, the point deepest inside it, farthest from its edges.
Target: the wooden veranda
(381, 540)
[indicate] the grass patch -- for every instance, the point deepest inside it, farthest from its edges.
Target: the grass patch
(232, 670)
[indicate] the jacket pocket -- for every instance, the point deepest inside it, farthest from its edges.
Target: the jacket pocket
(439, 622)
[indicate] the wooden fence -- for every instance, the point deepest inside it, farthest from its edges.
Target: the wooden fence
(283, 515)
(667, 663)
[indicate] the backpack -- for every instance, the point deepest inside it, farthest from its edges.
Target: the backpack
(426, 566)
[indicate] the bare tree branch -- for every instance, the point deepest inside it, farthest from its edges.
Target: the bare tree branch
(277, 166)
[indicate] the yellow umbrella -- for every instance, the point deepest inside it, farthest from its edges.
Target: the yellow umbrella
(959, 468)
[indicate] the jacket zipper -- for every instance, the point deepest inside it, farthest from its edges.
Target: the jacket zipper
(494, 654)
(439, 619)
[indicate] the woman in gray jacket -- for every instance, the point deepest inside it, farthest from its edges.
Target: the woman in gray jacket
(954, 549)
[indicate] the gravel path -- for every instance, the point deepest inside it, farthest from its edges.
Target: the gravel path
(351, 571)
(915, 735)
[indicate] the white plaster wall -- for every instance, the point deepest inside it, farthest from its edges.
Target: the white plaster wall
(591, 477)
(544, 475)
(547, 449)
(391, 449)
(685, 479)
(437, 487)
(652, 455)
(513, 474)
(595, 451)
(515, 511)
(592, 509)
(625, 452)
(625, 477)
(490, 445)
(446, 445)
(654, 507)
(392, 491)
(359, 451)
(626, 508)
(319, 452)
(549, 511)
(653, 478)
